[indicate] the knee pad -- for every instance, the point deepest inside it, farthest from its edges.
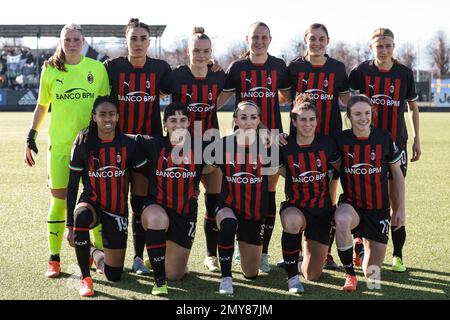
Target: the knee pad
(83, 217)
(113, 273)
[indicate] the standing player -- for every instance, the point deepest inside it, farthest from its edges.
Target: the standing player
(243, 159)
(323, 79)
(70, 82)
(103, 162)
(197, 87)
(368, 155)
(135, 87)
(306, 161)
(170, 214)
(259, 77)
(390, 86)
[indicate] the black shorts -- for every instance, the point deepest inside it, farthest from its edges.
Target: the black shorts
(248, 231)
(181, 227)
(403, 161)
(373, 224)
(318, 222)
(114, 227)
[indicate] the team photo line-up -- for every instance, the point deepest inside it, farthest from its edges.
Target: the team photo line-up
(106, 129)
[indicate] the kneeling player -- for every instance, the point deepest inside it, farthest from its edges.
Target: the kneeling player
(103, 162)
(244, 203)
(306, 160)
(170, 214)
(368, 154)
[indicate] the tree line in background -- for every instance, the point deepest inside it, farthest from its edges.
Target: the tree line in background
(438, 50)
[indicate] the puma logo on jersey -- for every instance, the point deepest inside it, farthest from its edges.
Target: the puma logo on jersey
(189, 95)
(372, 86)
(296, 165)
(54, 233)
(60, 81)
(305, 81)
(248, 80)
(96, 159)
(350, 155)
(165, 159)
(127, 84)
(233, 163)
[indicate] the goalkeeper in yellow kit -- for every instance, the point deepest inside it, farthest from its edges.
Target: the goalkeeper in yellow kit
(70, 82)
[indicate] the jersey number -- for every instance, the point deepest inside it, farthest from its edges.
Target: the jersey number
(385, 223)
(121, 223)
(191, 232)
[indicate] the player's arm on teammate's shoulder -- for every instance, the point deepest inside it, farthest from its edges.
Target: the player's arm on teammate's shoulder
(282, 171)
(208, 169)
(343, 98)
(285, 96)
(414, 111)
(223, 98)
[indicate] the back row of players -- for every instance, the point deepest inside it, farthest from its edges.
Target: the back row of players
(135, 83)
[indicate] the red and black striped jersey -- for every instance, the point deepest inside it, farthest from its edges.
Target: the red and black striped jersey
(244, 182)
(174, 175)
(259, 83)
(104, 173)
(389, 91)
(365, 166)
(198, 94)
(307, 171)
(136, 91)
(323, 84)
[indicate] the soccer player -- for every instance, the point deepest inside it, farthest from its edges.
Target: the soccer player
(197, 86)
(243, 159)
(135, 87)
(323, 79)
(306, 160)
(70, 82)
(170, 210)
(390, 86)
(103, 162)
(259, 77)
(368, 155)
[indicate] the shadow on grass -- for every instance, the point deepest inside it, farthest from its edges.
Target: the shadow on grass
(413, 284)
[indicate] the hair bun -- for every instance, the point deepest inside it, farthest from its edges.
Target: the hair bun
(200, 30)
(133, 20)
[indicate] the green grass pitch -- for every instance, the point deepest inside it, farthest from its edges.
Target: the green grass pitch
(24, 201)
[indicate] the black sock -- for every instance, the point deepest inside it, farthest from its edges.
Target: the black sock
(359, 250)
(346, 257)
(398, 239)
(210, 225)
(301, 243)
(55, 257)
(269, 222)
(332, 234)
(290, 245)
(99, 258)
(156, 249)
(225, 245)
(83, 219)
(137, 203)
